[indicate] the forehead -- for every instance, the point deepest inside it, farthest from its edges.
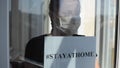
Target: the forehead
(68, 4)
(69, 7)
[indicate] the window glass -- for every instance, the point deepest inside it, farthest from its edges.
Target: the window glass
(31, 18)
(105, 31)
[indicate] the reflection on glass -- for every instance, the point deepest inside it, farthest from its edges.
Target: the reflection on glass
(26, 21)
(105, 31)
(30, 18)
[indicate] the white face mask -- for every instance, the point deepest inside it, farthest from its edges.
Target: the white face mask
(69, 25)
(69, 16)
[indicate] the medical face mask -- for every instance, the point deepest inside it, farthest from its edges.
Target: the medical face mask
(69, 17)
(69, 25)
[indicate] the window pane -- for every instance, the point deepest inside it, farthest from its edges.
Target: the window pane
(30, 19)
(105, 31)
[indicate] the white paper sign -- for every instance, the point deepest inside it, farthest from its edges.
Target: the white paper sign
(70, 52)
